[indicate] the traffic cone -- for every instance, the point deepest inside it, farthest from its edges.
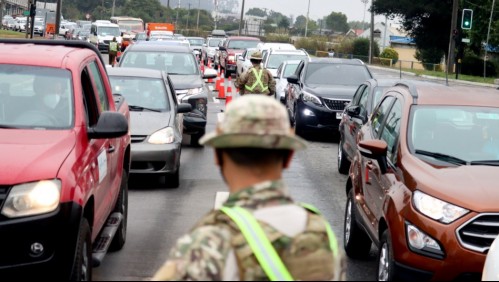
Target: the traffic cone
(219, 83)
(221, 92)
(228, 97)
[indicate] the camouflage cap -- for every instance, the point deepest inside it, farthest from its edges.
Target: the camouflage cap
(254, 121)
(256, 56)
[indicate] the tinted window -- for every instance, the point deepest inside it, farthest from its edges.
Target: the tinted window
(289, 70)
(377, 94)
(214, 42)
(99, 84)
(336, 74)
(142, 92)
(242, 44)
(196, 42)
(173, 63)
(276, 59)
(391, 131)
(108, 30)
(363, 100)
(380, 114)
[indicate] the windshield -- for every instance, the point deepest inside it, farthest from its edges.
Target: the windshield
(196, 42)
(142, 92)
(275, 60)
(467, 133)
(214, 42)
(109, 30)
(289, 70)
(35, 97)
(242, 44)
(378, 93)
(131, 25)
(336, 74)
(173, 63)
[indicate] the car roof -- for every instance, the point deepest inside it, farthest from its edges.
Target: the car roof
(135, 72)
(148, 46)
(336, 61)
(243, 38)
(194, 37)
(383, 82)
(287, 52)
(291, 62)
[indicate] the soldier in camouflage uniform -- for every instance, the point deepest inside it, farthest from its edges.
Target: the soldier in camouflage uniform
(253, 145)
(256, 80)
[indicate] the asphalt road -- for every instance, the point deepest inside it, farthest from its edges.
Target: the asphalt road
(158, 216)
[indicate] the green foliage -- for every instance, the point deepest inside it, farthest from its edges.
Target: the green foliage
(390, 53)
(283, 23)
(473, 65)
(256, 12)
(361, 47)
(312, 44)
(429, 57)
(345, 47)
(280, 38)
(337, 22)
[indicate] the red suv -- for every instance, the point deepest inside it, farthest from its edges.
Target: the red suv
(65, 150)
(423, 183)
(231, 49)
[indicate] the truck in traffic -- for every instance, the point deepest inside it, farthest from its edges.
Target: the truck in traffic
(65, 147)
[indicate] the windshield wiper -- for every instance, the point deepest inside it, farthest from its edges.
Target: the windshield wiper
(139, 108)
(486, 162)
(442, 157)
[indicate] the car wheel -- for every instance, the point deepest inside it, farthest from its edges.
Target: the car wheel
(173, 180)
(195, 138)
(357, 243)
(343, 162)
(82, 268)
(386, 264)
(121, 207)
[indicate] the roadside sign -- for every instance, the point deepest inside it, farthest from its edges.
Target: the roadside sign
(466, 40)
(50, 28)
(26, 13)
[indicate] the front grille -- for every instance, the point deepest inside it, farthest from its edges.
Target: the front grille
(107, 42)
(138, 138)
(4, 191)
(479, 233)
(335, 104)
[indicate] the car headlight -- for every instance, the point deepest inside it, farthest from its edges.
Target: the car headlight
(32, 199)
(307, 97)
(437, 209)
(163, 136)
(195, 91)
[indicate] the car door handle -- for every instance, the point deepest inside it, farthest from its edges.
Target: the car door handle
(111, 149)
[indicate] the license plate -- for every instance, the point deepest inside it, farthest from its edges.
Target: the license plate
(339, 115)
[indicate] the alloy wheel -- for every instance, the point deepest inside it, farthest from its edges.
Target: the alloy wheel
(384, 263)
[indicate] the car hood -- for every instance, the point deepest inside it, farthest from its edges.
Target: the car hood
(331, 91)
(273, 72)
(31, 155)
(146, 123)
(181, 82)
(470, 187)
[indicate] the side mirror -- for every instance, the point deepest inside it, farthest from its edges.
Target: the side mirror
(205, 45)
(209, 73)
(293, 79)
(353, 111)
(183, 108)
(376, 150)
(222, 48)
(109, 125)
(240, 58)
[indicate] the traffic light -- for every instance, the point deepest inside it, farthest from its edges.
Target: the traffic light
(467, 19)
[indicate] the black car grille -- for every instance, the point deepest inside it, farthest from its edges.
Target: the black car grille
(4, 191)
(479, 233)
(107, 42)
(138, 138)
(335, 105)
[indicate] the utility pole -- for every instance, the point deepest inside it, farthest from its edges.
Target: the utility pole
(487, 42)
(306, 25)
(188, 16)
(112, 11)
(199, 9)
(241, 20)
(364, 18)
(57, 18)
(452, 43)
(176, 19)
(371, 40)
(2, 7)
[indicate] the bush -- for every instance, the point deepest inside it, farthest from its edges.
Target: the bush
(429, 57)
(311, 44)
(390, 53)
(361, 47)
(280, 38)
(473, 65)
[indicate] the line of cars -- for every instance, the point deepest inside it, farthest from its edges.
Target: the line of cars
(421, 160)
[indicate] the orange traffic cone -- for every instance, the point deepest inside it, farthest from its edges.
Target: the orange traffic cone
(221, 92)
(228, 97)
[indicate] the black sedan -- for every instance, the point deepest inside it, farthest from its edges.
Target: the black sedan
(155, 121)
(355, 115)
(320, 89)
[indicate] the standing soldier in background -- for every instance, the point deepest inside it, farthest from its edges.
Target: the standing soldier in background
(260, 233)
(256, 80)
(114, 46)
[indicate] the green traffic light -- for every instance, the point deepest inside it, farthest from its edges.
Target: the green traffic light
(466, 23)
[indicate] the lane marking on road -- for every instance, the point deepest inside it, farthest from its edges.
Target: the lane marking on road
(216, 101)
(220, 117)
(220, 199)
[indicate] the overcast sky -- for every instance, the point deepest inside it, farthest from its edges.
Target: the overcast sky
(354, 9)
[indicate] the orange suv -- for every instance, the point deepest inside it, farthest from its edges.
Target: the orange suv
(424, 185)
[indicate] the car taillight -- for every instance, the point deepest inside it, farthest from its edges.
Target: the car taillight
(231, 58)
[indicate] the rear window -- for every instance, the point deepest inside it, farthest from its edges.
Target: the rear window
(35, 97)
(142, 92)
(173, 63)
(214, 42)
(336, 74)
(275, 60)
(242, 44)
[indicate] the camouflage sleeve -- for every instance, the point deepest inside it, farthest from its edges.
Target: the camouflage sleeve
(199, 255)
(340, 266)
(272, 83)
(241, 81)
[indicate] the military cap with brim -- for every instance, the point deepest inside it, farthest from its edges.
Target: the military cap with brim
(254, 121)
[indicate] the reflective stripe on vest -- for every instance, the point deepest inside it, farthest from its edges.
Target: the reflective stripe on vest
(258, 81)
(113, 46)
(333, 243)
(265, 253)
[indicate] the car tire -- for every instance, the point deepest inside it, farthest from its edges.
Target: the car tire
(82, 268)
(386, 264)
(356, 242)
(343, 162)
(173, 180)
(121, 207)
(195, 138)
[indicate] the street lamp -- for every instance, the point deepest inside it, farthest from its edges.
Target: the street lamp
(364, 18)
(306, 24)
(241, 20)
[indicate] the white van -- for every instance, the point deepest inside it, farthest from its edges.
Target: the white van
(101, 33)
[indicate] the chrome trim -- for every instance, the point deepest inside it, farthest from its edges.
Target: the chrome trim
(472, 247)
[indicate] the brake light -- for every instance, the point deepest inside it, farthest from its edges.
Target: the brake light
(231, 58)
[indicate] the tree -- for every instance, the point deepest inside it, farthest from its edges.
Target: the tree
(284, 23)
(361, 47)
(256, 12)
(337, 22)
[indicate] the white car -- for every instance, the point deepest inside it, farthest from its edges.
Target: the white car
(265, 47)
(243, 61)
(491, 268)
(273, 58)
(209, 49)
(286, 69)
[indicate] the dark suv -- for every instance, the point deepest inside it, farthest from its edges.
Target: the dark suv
(423, 183)
(320, 89)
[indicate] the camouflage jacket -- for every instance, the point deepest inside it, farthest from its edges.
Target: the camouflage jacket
(215, 249)
(248, 79)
